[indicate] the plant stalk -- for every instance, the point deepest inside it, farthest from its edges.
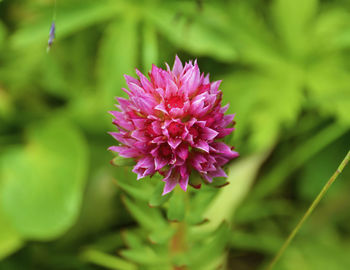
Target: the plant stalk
(309, 211)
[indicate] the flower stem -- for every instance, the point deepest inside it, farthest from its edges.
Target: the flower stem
(309, 211)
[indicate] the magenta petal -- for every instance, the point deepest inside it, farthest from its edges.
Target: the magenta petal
(184, 177)
(215, 86)
(227, 120)
(224, 132)
(203, 145)
(146, 84)
(171, 88)
(169, 186)
(182, 152)
(121, 120)
(159, 163)
(161, 107)
(124, 103)
(208, 134)
(223, 149)
(218, 173)
(139, 135)
(139, 122)
(184, 182)
(130, 79)
(177, 68)
(207, 177)
(175, 143)
(124, 151)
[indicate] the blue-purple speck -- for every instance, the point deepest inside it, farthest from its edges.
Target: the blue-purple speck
(51, 35)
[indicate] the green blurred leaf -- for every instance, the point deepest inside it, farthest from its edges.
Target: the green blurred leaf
(162, 236)
(200, 202)
(139, 189)
(177, 204)
(147, 217)
(146, 256)
(149, 46)
(117, 56)
(43, 182)
(321, 251)
(332, 29)
(257, 109)
(2, 33)
(212, 249)
(292, 20)
(106, 260)
(133, 238)
(296, 159)
(122, 161)
(10, 240)
(267, 242)
(188, 31)
(157, 198)
(241, 176)
(70, 20)
(329, 85)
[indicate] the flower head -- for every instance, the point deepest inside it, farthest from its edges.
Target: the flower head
(173, 124)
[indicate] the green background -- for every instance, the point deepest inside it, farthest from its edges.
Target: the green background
(286, 74)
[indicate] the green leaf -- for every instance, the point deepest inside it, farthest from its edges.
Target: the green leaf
(133, 238)
(70, 20)
(258, 112)
(146, 256)
(43, 182)
(176, 207)
(329, 85)
(199, 204)
(263, 241)
(106, 260)
(122, 161)
(191, 32)
(139, 189)
(292, 20)
(157, 198)
(147, 217)
(117, 56)
(10, 240)
(149, 46)
(162, 235)
(212, 249)
(241, 176)
(3, 31)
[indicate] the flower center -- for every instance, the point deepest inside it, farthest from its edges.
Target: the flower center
(165, 150)
(150, 132)
(175, 102)
(194, 132)
(175, 129)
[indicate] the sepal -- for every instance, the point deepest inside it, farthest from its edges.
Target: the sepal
(120, 161)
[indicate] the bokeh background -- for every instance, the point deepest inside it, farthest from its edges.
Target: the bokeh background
(285, 71)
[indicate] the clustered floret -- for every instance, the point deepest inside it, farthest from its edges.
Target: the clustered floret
(173, 124)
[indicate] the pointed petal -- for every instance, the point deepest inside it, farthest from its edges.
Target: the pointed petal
(177, 68)
(203, 145)
(208, 134)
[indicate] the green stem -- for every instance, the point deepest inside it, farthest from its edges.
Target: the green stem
(310, 210)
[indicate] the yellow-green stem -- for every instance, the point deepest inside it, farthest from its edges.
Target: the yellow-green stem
(309, 211)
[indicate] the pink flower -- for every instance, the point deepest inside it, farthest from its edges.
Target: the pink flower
(173, 124)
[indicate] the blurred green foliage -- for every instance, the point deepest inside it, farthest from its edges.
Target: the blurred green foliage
(285, 71)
